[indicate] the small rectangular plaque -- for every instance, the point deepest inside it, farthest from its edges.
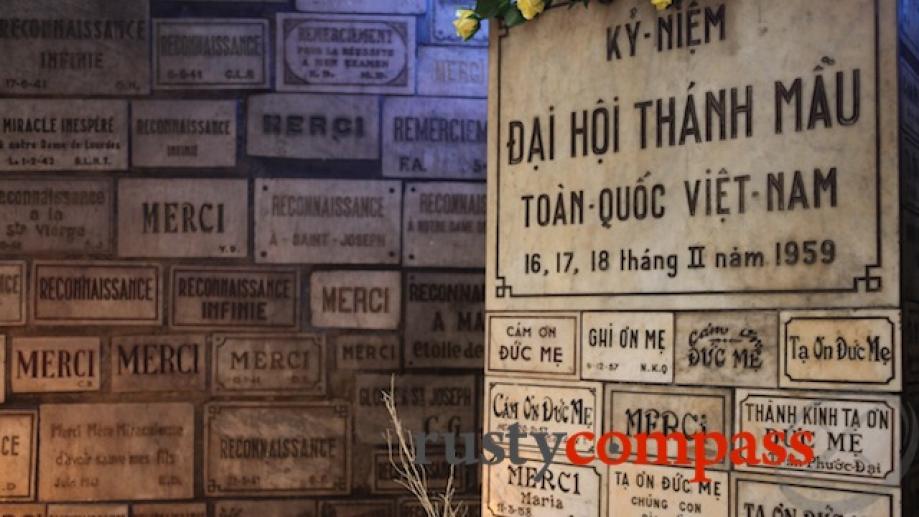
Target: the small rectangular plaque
(533, 344)
(176, 133)
(269, 365)
(23, 510)
(444, 225)
(444, 320)
(18, 455)
(363, 6)
(356, 299)
(510, 490)
(628, 347)
(88, 510)
(157, 363)
(440, 24)
(368, 352)
(453, 72)
(377, 508)
(55, 364)
(3, 369)
(386, 480)
(265, 508)
(169, 510)
(410, 507)
(12, 294)
(775, 495)
(634, 488)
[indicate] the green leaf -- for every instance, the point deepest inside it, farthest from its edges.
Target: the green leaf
(513, 17)
(490, 8)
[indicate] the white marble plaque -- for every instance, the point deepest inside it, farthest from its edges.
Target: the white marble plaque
(158, 363)
(210, 54)
(327, 221)
(571, 490)
(533, 344)
(356, 299)
(773, 495)
(345, 53)
(183, 218)
(368, 352)
(444, 320)
(169, 510)
(363, 6)
(434, 138)
(12, 294)
(667, 492)
(88, 510)
(444, 225)
(55, 364)
(23, 510)
(18, 455)
(627, 347)
(75, 47)
(453, 72)
(265, 508)
(269, 365)
(440, 24)
(177, 133)
(63, 135)
(318, 127)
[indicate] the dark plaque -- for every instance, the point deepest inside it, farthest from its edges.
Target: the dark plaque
(55, 364)
(444, 225)
(269, 365)
(445, 320)
(174, 133)
(368, 352)
(12, 293)
(157, 363)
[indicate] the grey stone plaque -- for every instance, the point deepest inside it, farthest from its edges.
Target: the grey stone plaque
(509, 489)
(176, 133)
(111, 452)
(378, 508)
(363, 6)
(775, 495)
(158, 363)
(453, 72)
(75, 47)
(368, 352)
(543, 345)
(277, 449)
(88, 510)
(55, 364)
(18, 455)
(386, 480)
(444, 320)
(269, 365)
(265, 508)
(327, 221)
(96, 293)
(183, 218)
(434, 138)
(63, 135)
(627, 347)
(440, 24)
(43, 217)
(345, 53)
(634, 488)
(356, 299)
(169, 510)
(210, 54)
(12, 293)
(235, 298)
(409, 507)
(444, 225)
(23, 510)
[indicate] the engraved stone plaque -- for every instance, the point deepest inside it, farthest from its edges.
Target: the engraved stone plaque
(668, 491)
(56, 216)
(533, 344)
(444, 225)
(363, 6)
(210, 54)
(63, 135)
(453, 72)
(110, 452)
(96, 293)
(183, 218)
(75, 47)
(174, 133)
(855, 437)
(169, 510)
(627, 347)
(773, 495)
(88, 510)
(727, 348)
(368, 352)
(440, 24)
(269, 365)
(409, 507)
(12, 294)
(3, 369)
(510, 489)
(277, 449)
(434, 138)
(386, 480)
(378, 508)
(327, 221)
(346, 53)
(265, 508)
(158, 363)
(23, 510)
(55, 364)
(323, 127)
(444, 320)
(854, 350)
(243, 299)
(356, 299)
(18, 454)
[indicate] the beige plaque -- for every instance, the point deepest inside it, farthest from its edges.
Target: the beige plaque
(158, 363)
(174, 133)
(183, 218)
(368, 352)
(269, 365)
(18, 455)
(55, 364)
(327, 221)
(3, 369)
(265, 508)
(110, 452)
(23, 510)
(88, 510)
(510, 490)
(841, 350)
(378, 508)
(244, 299)
(627, 347)
(356, 299)
(96, 293)
(277, 449)
(533, 344)
(444, 225)
(667, 492)
(169, 510)
(12, 293)
(444, 320)
(773, 495)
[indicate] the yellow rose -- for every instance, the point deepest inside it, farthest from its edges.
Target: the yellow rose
(530, 8)
(466, 23)
(661, 4)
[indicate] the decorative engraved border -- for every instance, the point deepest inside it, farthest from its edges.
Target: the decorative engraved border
(316, 388)
(735, 491)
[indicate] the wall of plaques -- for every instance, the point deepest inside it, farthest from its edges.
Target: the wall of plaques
(225, 225)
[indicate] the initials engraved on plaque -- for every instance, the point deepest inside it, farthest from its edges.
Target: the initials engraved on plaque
(55, 364)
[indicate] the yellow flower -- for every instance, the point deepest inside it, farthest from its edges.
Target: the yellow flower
(661, 4)
(466, 23)
(530, 8)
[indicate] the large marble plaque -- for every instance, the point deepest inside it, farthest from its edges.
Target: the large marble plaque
(440, 28)
(265, 508)
(318, 127)
(855, 437)
(327, 221)
(444, 320)
(634, 489)
(345, 53)
(377, 508)
(235, 298)
(158, 363)
(368, 352)
(571, 490)
(183, 218)
(111, 452)
(434, 138)
(23, 510)
(277, 449)
(210, 54)
(269, 365)
(177, 133)
(773, 495)
(363, 6)
(55, 364)
(169, 510)
(72, 216)
(544, 345)
(12, 293)
(453, 72)
(75, 47)
(88, 510)
(356, 299)
(96, 293)
(628, 347)
(18, 454)
(444, 225)
(63, 135)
